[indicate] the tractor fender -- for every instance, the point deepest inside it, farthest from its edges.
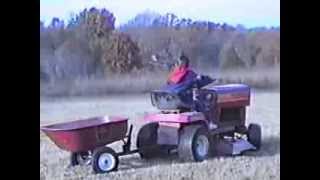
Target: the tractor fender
(168, 133)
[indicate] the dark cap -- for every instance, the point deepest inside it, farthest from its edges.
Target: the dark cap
(184, 60)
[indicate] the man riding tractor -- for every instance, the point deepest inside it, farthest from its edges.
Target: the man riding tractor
(181, 72)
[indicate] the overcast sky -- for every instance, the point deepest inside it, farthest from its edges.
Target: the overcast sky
(250, 13)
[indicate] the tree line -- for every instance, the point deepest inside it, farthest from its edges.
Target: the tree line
(89, 45)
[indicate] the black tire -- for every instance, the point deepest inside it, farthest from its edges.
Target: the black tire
(79, 158)
(104, 160)
(188, 148)
(254, 135)
(147, 142)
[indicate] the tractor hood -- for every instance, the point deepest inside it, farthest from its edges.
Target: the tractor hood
(231, 94)
(228, 88)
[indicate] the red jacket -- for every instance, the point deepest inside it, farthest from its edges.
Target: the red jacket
(178, 74)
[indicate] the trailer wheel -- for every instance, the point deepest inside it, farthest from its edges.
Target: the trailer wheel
(105, 160)
(194, 143)
(147, 141)
(80, 158)
(254, 135)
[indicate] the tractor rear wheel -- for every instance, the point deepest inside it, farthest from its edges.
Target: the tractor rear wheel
(147, 142)
(254, 135)
(194, 143)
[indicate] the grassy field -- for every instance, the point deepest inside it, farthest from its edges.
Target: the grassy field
(265, 164)
(145, 82)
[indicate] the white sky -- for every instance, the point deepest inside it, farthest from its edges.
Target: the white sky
(247, 12)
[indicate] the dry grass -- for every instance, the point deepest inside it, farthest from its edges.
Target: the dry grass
(142, 83)
(112, 85)
(264, 165)
(256, 78)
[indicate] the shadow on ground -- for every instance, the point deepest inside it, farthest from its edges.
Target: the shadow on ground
(135, 162)
(270, 146)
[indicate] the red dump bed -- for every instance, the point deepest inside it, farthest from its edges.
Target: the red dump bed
(87, 134)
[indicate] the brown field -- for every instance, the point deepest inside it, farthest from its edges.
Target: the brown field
(265, 164)
(147, 81)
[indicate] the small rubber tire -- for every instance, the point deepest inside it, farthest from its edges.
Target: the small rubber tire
(104, 160)
(189, 143)
(254, 135)
(147, 142)
(78, 158)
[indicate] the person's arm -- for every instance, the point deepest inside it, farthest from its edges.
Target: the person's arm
(168, 78)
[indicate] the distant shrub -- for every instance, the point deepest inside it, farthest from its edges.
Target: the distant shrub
(120, 54)
(89, 45)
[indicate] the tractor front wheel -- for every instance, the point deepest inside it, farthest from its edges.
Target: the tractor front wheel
(254, 135)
